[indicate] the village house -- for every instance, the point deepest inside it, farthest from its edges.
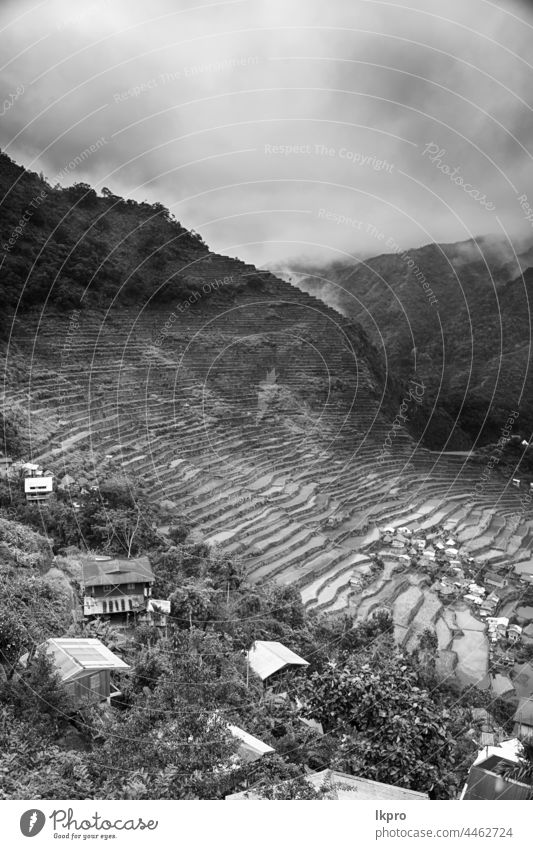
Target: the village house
(156, 613)
(38, 485)
(66, 483)
(470, 598)
(492, 579)
(485, 729)
(342, 786)
(84, 667)
(486, 777)
(115, 586)
(514, 633)
(250, 747)
(489, 606)
(268, 658)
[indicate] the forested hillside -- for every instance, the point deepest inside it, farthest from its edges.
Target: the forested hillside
(459, 314)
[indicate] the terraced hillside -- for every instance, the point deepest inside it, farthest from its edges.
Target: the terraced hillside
(258, 414)
(458, 313)
(243, 403)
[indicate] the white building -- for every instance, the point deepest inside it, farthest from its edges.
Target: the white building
(38, 487)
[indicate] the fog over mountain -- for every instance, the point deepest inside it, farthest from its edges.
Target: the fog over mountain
(280, 130)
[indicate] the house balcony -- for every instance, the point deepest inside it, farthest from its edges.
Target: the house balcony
(113, 605)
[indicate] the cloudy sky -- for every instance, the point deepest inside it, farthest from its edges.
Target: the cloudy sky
(283, 129)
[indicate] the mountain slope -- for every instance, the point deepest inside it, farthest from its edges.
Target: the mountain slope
(243, 404)
(459, 314)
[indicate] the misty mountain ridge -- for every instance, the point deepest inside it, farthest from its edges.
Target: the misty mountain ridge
(471, 344)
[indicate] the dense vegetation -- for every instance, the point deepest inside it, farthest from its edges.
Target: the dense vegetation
(70, 246)
(384, 713)
(471, 348)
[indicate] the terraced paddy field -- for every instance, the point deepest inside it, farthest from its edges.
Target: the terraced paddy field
(260, 417)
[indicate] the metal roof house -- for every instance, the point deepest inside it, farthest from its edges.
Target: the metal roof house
(268, 657)
(495, 580)
(84, 667)
(486, 777)
(341, 786)
(250, 748)
(116, 586)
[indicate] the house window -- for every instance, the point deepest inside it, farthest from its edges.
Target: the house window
(131, 586)
(107, 588)
(123, 604)
(130, 603)
(104, 606)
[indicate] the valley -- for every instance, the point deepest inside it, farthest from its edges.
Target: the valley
(257, 418)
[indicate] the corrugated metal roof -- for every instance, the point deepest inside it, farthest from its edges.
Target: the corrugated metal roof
(347, 786)
(72, 657)
(116, 570)
(344, 786)
(266, 657)
(251, 747)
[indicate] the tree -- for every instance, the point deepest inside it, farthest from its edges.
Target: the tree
(34, 766)
(523, 770)
(14, 639)
(194, 603)
(166, 751)
(390, 728)
(123, 530)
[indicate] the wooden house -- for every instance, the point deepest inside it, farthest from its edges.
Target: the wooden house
(115, 586)
(84, 667)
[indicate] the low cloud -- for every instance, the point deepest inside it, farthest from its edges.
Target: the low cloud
(192, 102)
